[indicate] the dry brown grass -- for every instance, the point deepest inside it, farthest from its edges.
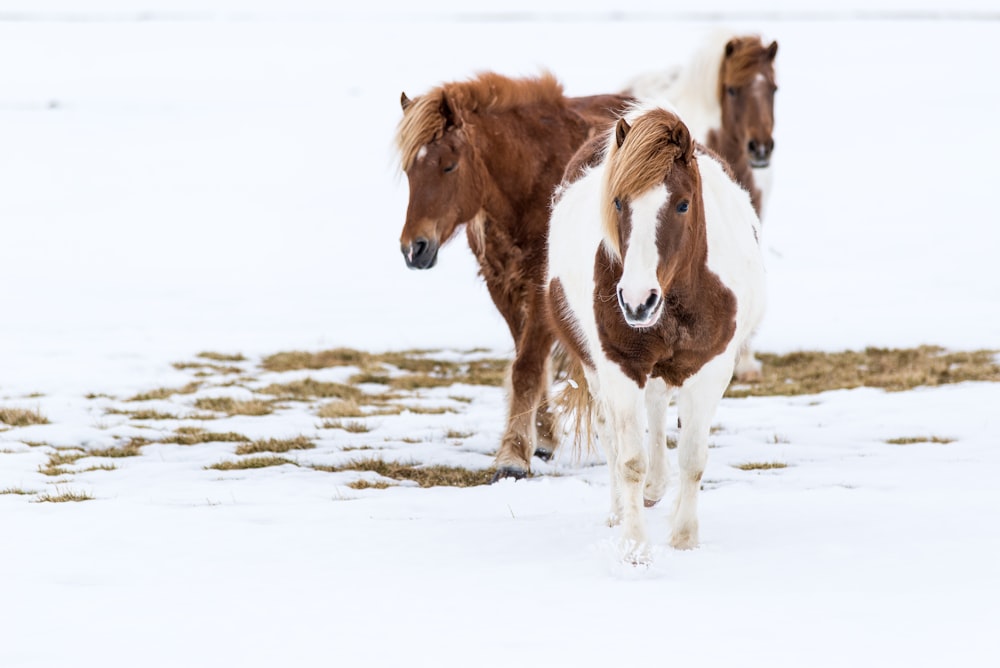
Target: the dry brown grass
(165, 392)
(910, 440)
(309, 388)
(340, 409)
(296, 360)
(147, 415)
(275, 445)
(19, 491)
(425, 476)
(206, 368)
(890, 369)
(351, 426)
(231, 406)
(365, 484)
(131, 449)
(63, 497)
(251, 463)
(761, 466)
(21, 417)
(197, 435)
(454, 433)
(222, 357)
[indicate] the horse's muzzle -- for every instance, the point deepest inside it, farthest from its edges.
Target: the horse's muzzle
(759, 153)
(421, 254)
(641, 315)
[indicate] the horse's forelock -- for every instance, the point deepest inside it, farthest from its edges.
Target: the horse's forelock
(643, 160)
(750, 56)
(421, 123)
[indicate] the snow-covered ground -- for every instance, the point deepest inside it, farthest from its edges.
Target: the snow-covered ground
(223, 179)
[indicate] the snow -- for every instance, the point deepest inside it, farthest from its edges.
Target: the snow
(191, 176)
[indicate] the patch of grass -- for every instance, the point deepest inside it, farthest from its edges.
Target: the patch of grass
(251, 463)
(53, 471)
(149, 415)
(296, 360)
(454, 433)
(222, 357)
(21, 417)
(887, 368)
(130, 449)
(310, 388)
(99, 467)
(197, 435)
(62, 497)
(352, 448)
(461, 399)
(429, 410)
(18, 491)
(410, 439)
(231, 406)
(761, 466)
(910, 440)
(275, 445)
(35, 444)
(351, 426)
(97, 395)
(165, 392)
(342, 408)
(365, 484)
(66, 456)
(205, 369)
(425, 476)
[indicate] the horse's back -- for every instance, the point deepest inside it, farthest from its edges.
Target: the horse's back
(600, 111)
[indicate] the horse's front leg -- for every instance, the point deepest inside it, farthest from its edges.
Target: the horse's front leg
(528, 386)
(696, 404)
(658, 396)
(622, 404)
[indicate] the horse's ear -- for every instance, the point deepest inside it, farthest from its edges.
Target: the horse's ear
(404, 101)
(730, 47)
(621, 131)
(772, 50)
(447, 113)
(681, 136)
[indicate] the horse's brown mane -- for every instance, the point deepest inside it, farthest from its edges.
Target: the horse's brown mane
(749, 57)
(424, 122)
(642, 161)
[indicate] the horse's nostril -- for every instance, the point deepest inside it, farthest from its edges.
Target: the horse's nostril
(753, 146)
(419, 246)
(651, 302)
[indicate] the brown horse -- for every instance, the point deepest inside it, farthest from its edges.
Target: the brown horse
(488, 153)
(725, 95)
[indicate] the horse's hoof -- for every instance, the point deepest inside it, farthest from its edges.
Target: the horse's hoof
(543, 453)
(509, 471)
(649, 503)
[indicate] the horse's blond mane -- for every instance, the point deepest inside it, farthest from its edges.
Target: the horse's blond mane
(643, 160)
(423, 121)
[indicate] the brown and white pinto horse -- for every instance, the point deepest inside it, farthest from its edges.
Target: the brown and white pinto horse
(488, 153)
(654, 281)
(725, 95)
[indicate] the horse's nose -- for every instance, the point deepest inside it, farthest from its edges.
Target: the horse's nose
(639, 310)
(421, 254)
(760, 152)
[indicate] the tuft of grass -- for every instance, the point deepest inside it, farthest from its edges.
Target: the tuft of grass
(891, 369)
(429, 410)
(66, 456)
(340, 408)
(454, 433)
(62, 497)
(365, 484)
(352, 448)
(197, 435)
(99, 467)
(350, 426)
(21, 417)
(296, 360)
(376, 377)
(761, 466)
(251, 463)
(910, 440)
(461, 399)
(425, 476)
(205, 369)
(165, 392)
(222, 357)
(143, 414)
(275, 445)
(17, 490)
(231, 406)
(130, 449)
(53, 471)
(310, 388)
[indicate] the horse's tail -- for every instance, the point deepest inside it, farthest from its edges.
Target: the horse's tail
(573, 404)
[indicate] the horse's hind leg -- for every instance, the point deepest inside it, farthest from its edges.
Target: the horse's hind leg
(748, 367)
(657, 402)
(696, 404)
(528, 386)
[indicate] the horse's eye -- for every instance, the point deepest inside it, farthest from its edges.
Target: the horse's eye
(682, 207)
(450, 168)
(618, 204)
(731, 91)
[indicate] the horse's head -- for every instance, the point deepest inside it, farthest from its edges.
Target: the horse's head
(746, 93)
(442, 169)
(652, 209)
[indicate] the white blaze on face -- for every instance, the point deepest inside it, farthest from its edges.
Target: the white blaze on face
(642, 256)
(421, 154)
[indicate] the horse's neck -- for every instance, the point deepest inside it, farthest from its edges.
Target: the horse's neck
(730, 148)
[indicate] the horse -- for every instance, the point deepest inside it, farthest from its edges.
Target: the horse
(488, 153)
(654, 281)
(725, 95)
